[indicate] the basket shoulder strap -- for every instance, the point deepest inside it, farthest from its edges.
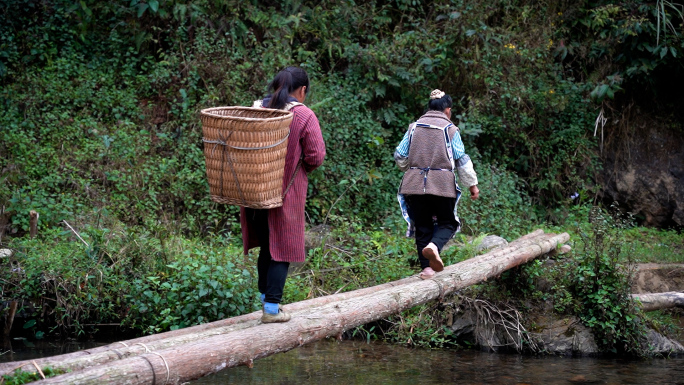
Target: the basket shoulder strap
(289, 106)
(294, 174)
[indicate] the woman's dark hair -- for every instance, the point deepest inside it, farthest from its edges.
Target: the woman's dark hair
(284, 83)
(440, 104)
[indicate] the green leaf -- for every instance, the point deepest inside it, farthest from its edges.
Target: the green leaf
(663, 52)
(602, 92)
(29, 324)
(154, 5)
(142, 8)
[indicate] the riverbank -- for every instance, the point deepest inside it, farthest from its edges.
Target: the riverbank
(200, 281)
(563, 334)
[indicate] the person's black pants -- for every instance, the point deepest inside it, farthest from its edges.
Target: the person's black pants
(272, 274)
(434, 219)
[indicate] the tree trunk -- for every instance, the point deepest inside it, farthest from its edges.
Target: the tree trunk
(211, 354)
(657, 301)
(33, 224)
(4, 222)
(9, 317)
(119, 350)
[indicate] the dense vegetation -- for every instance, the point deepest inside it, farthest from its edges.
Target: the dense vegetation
(100, 130)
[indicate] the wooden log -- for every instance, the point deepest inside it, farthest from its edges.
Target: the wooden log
(199, 358)
(33, 223)
(561, 250)
(4, 222)
(119, 350)
(9, 318)
(657, 301)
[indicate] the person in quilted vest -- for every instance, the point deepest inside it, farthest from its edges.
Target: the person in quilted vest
(431, 154)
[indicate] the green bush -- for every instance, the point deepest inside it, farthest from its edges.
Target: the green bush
(601, 284)
(64, 285)
(199, 287)
(143, 280)
(99, 119)
(109, 125)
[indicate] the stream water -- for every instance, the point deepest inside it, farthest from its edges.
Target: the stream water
(355, 362)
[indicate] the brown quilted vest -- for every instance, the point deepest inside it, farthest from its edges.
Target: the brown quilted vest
(430, 169)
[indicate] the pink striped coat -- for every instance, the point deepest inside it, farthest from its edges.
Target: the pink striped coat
(286, 223)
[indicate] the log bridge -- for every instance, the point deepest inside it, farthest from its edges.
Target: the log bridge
(183, 355)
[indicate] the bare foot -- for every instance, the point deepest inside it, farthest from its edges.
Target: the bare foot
(427, 273)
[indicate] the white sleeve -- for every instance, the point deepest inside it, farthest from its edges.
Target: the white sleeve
(466, 174)
(402, 161)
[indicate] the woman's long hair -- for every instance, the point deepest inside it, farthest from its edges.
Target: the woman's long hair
(284, 83)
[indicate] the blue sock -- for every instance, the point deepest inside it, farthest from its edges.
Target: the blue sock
(270, 308)
(262, 297)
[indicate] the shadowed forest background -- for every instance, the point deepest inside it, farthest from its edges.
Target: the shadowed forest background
(99, 127)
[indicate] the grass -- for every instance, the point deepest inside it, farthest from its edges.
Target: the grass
(656, 246)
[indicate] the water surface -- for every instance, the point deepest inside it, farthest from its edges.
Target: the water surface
(332, 362)
(353, 362)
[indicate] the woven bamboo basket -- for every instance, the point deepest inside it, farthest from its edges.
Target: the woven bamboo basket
(245, 150)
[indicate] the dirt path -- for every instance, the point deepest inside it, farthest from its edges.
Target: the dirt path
(658, 278)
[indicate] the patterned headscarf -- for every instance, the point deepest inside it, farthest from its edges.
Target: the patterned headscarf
(436, 94)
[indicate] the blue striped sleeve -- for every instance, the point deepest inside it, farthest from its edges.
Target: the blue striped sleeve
(403, 147)
(457, 146)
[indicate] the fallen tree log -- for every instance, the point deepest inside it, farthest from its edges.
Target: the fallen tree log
(657, 301)
(199, 358)
(9, 318)
(120, 350)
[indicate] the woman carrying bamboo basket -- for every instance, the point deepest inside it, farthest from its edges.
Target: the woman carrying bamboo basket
(279, 232)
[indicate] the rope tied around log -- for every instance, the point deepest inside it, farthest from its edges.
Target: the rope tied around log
(441, 291)
(154, 374)
(168, 371)
(147, 350)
